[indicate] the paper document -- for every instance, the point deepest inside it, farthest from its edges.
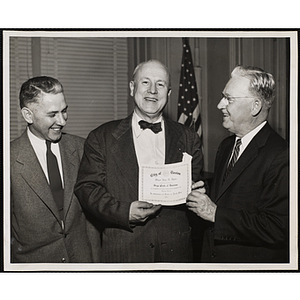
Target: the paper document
(166, 184)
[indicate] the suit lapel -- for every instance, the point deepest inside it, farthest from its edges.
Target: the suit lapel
(174, 145)
(221, 164)
(247, 157)
(124, 154)
(33, 174)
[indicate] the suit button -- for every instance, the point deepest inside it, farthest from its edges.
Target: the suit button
(213, 254)
(152, 245)
(63, 260)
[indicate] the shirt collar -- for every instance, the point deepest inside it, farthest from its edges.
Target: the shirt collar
(35, 140)
(250, 135)
(38, 143)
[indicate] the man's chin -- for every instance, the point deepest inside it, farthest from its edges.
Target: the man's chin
(55, 137)
(226, 126)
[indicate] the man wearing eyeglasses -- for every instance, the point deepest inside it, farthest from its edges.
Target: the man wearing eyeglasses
(247, 211)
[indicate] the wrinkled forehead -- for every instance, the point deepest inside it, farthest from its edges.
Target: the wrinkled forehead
(237, 86)
(49, 99)
(153, 70)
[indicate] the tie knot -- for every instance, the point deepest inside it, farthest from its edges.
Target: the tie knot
(155, 127)
(48, 144)
(238, 143)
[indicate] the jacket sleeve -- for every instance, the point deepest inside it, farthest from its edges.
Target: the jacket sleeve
(91, 188)
(267, 224)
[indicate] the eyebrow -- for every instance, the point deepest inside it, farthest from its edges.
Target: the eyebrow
(56, 111)
(143, 78)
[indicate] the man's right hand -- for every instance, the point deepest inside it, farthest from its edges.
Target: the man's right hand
(140, 211)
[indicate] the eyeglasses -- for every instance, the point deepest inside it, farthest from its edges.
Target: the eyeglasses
(230, 99)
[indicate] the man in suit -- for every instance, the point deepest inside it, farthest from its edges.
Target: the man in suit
(137, 231)
(247, 211)
(47, 221)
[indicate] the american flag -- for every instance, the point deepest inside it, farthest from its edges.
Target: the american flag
(188, 102)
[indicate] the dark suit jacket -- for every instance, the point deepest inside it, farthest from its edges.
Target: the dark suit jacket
(37, 233)
(251, 222)
(108, 183)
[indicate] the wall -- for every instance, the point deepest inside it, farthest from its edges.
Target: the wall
(214, 59)
(92, 70)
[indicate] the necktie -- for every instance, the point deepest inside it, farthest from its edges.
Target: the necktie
(55, 179)
(155, 127)
(234, 157)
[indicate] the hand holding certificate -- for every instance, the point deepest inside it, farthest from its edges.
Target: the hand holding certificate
(166, 184)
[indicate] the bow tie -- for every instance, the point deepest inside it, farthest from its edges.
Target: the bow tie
(155, 127)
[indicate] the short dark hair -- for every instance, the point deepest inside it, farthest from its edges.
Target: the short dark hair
(262, 84)
(32, 90)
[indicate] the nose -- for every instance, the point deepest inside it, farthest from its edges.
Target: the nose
(152, 88)
(223, 103)
(61, 119)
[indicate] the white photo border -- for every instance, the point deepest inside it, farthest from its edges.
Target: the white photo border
(293, 265)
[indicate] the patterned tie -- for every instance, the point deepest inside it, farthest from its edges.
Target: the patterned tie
(55, 179)
(155, 127)
(233, 158)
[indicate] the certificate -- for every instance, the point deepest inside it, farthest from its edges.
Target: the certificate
(166, 184)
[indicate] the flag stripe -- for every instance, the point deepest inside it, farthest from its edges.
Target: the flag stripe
(188, 101)
(182, 118)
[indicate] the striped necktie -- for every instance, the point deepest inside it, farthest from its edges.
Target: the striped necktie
(233, 158)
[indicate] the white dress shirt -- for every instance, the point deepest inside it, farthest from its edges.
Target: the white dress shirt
(247, 139)
(149, 147)
(39, 147)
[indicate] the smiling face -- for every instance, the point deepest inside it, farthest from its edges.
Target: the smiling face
(150, 90)
(47, 116)
(238, 106)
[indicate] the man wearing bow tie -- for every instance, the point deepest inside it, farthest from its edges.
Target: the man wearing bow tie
(248, 207)
(136, 231)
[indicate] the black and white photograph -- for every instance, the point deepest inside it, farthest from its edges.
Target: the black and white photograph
(150, 151)
(91, 112)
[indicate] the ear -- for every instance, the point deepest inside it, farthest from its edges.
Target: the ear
(131, 86)
(27, 115)
(256, 107)
(169, 92)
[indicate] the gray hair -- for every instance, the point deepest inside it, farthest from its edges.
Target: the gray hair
(138, 67)
(262, 84)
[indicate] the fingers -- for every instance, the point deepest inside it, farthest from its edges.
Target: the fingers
(140, 211)
(193, 209)
(198, 184)
(196, 199)
(143, 204)
(152, 211)
(195, 195)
